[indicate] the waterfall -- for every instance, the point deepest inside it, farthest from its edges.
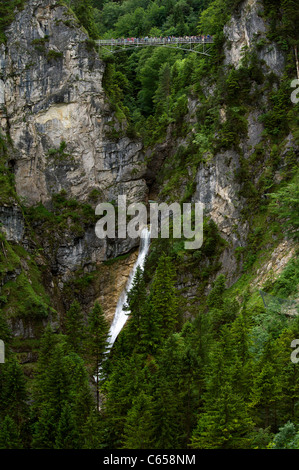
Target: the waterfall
(121, 315)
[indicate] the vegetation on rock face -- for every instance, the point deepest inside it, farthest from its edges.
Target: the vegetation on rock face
(202, 368)
(7, 15)
(8, 194)
(285, 206)
(83, 10)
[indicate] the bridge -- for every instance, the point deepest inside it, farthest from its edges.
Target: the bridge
(196, 44)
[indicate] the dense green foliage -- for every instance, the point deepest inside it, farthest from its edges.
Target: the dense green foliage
(285, 205)
(62, 415)
(221, 382)
(154, 18)
(163, 388)
(85, 14)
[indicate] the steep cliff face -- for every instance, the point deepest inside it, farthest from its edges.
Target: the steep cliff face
(218, 179)
(246, 33)
(52, 90)
(58, 117)
(244, 29)
(60, 122)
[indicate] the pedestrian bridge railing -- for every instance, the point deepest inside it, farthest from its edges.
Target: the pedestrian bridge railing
(197, 44)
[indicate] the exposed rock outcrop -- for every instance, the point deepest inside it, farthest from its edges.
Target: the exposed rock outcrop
(59, 118)
(12, 223)
(246, 28)
(60, 122)
(65, 137)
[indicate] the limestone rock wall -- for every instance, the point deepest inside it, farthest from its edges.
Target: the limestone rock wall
(245, 27)
(51, 87)
(12, 223)
(53, 107)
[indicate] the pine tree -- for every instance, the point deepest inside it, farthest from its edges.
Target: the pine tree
(97, 340)
(5, 333)
(9, 434)
(290, 19)
(58, 381)
(67, 435)
(215, 297)
(84, 12)
(51, 392)
(162, 94)
(287, 437)
(240, 334)
(288, 377)
(167, 418)
(224, 420)
(83, 403)
(151, 334)
(139, 428)
(266, 392)
(45, 429)
(75, 328)
(163, 296)
(47, 347)
(135, 306)
(124, 383)
(179, 370)
(13, 393)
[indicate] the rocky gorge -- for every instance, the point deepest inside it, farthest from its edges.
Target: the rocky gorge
(68, 140)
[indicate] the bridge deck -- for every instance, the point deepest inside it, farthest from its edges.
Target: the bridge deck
(153, 41)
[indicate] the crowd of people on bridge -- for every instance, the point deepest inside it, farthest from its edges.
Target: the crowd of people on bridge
(159, 40)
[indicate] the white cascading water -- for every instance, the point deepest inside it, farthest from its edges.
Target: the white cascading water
(121, 315)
